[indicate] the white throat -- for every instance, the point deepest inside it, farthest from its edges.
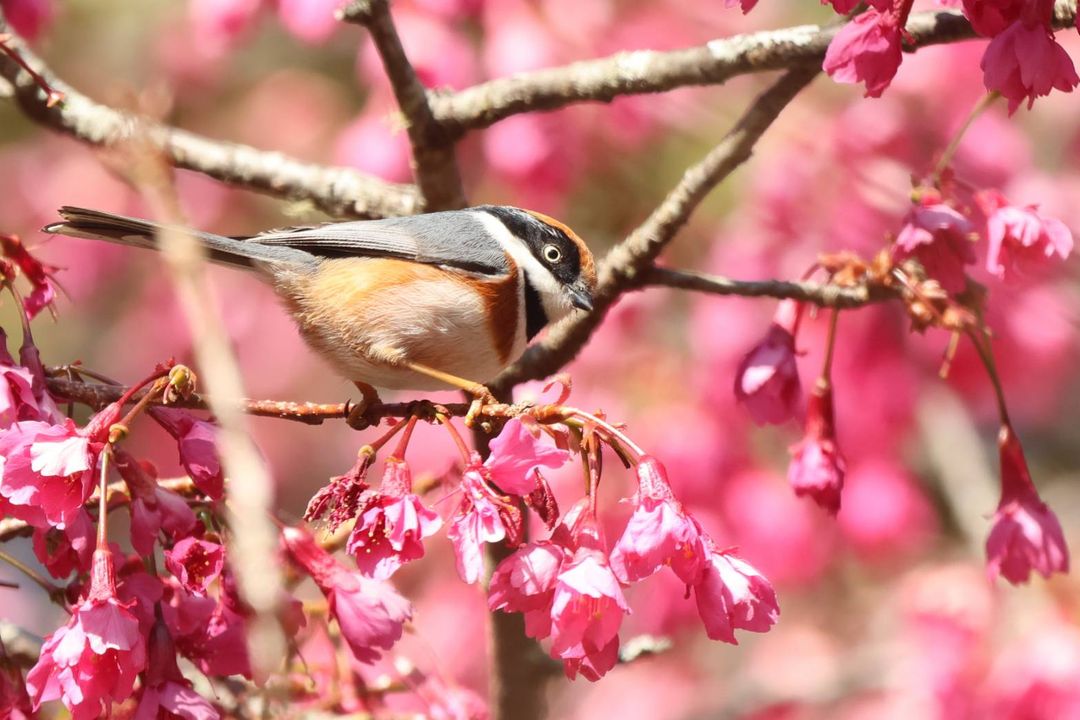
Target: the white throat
(553, 296)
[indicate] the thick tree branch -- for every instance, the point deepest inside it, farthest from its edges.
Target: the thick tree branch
(434, 158)
(336, 190)
(624, 265)
(821, 294)
(650, 71)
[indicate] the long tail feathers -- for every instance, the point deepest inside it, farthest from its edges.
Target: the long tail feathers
(97, 225)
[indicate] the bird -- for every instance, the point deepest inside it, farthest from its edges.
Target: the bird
(423, 302)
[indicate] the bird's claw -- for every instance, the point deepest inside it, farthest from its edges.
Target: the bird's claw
(482, 397)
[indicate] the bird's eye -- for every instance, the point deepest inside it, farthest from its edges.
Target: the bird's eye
(552, 254)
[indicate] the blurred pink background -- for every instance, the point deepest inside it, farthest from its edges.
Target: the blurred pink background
(886, 610)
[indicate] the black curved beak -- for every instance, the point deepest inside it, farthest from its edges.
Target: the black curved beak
(581, 297)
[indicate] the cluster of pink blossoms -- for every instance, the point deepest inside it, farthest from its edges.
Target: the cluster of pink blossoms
(1023, 60)
(939, 234)
(568, 587)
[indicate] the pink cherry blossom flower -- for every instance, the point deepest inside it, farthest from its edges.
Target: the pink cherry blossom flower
(817, 467)
(767, 381)
(1025, 62)
(744, 5)
(392, 524)
(587, 609)
(938, 237)
(197, 442)
(524, 582)
(17, 398)
(153, 508)
(866, 50)
(63, 550)
(483, 516)
(92, 661)
(731, 595)
(43, 289)
(517, 453)
(165, 692)
(370, 613)
(1026, 535)
(207, 632)
(659, 533)
(49, 468)
(195, 563)
(1017, 234)
(28, 17)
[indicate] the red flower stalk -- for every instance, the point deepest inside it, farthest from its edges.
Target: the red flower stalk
(1026, 535)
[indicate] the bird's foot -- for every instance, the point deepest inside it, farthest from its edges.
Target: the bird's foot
(360, 416)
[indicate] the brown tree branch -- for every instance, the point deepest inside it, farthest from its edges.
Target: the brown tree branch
(820, 294)
(624, 265)
(434, 159)
(650, 71)
(336, 190)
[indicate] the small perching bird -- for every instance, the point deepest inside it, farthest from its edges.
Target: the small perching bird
(422, 302)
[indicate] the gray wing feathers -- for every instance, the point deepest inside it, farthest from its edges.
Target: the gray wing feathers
(453, 239)
(94, 224)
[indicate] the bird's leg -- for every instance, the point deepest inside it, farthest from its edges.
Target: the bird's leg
(481, 395)
(369, 398)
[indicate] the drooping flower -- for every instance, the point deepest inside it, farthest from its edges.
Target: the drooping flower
(767, 380)
(990, 17)
(48, 469)
(587, 608)
(817, 467)
(524, 582)
(392, 524)
(483, 516)
(43, 291)
(1024, 62)
(93, 660)
(516, 454)
(153, 508)
(63, 550)
(206, 631)
(197, 443)
(195, 563)
(731, 595)
(1026, 535)
(165, 693)
(1020, 235)
(339, 500)
(866, 50)
(17, 399)
(659, 532)
(370, 613)
(938, 237)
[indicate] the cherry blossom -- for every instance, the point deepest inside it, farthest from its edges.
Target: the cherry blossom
(1016, 235)
(817, 467)
(866, 50)
(391, 525)
(1026, 534)
(938, 237)
(524, 582)
(767, 380)
(370, 613)
(1024, 62)
(731, 595)
(197, 442)
(659, 533)
(195, 563)
(92, 661)
(483, 516)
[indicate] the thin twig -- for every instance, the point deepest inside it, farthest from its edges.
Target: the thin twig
(820, 294)
(624, 265)
(435, 162)
(336, 190)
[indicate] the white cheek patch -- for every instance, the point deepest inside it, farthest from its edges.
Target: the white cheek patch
(553, 295)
